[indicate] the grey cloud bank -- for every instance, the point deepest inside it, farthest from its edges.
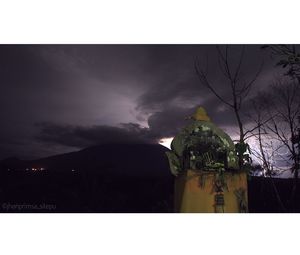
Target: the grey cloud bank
(58, 98)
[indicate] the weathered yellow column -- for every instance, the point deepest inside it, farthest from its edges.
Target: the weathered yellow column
(205, 163)
(196, 191)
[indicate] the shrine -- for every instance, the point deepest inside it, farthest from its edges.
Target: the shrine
(208, 178)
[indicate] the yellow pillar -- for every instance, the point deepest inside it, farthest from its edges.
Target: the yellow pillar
(195, 191)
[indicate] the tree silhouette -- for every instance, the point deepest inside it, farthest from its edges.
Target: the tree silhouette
(239, 88)
(289, 59)
(275, 112)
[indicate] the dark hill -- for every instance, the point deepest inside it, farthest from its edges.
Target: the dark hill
(105, 178)
(120, 159)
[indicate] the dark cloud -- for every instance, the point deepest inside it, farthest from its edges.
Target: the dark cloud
(161, 124)
(80, 137)
(86, 91)
(176, 83)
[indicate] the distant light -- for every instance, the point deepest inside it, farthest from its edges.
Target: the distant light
(166, 142)
(73, 170)
(42, 168)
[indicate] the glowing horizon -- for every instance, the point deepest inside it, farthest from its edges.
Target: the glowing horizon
(166, 142)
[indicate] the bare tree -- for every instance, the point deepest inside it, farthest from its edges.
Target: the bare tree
(284, 110)
(289, 58)
(276, 113)
(267, 152)
(238, 86)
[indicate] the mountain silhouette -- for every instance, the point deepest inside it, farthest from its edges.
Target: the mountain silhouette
(104, 178)
(119, 159)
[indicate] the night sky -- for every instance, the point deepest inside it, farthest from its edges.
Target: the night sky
(61, 98)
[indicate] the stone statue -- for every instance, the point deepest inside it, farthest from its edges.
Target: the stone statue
(202, 145)
(204, 160)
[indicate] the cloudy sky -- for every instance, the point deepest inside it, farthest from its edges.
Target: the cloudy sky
(60, 98)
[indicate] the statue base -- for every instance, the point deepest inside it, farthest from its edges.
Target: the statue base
(199, 191)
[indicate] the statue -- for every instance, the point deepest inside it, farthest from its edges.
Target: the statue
(205, 151)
